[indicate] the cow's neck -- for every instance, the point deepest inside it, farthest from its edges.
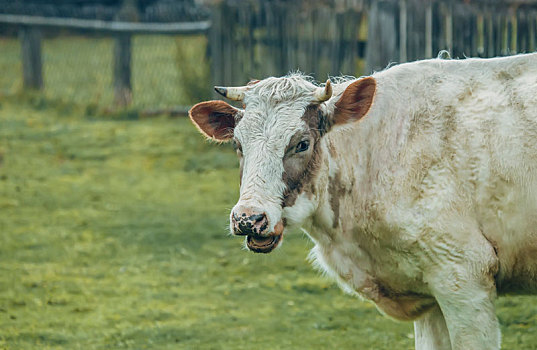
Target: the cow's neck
(346, 185)
(347, 221)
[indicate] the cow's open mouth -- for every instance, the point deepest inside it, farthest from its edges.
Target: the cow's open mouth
(263, 244)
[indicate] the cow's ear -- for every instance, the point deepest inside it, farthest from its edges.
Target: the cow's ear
(355, 101)
(215, 119)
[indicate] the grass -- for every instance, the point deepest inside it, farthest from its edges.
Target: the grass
(113, 236)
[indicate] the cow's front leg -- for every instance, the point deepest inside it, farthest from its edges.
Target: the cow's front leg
(430, 331)
(466, 298)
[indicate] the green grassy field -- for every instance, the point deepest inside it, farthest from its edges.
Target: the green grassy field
(113, 235)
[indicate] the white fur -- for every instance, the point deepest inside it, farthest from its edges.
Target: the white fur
(442, 205)
(272, 116)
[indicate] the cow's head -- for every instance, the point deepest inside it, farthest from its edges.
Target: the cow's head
(277, 137)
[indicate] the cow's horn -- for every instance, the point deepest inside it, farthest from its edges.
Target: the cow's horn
(322, 94)
(233, 93)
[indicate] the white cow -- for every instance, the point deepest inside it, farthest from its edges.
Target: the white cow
(417, 184)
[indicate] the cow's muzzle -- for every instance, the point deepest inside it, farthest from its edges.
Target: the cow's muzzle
(246, 223)
(256, 226)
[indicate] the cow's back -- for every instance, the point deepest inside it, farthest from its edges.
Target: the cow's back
(464, 134)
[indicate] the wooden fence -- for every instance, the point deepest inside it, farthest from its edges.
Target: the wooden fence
(254, 39)
(30, 36)
(464, 28)
(251, 39)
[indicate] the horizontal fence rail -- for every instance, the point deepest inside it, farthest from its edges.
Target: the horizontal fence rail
(108, 26)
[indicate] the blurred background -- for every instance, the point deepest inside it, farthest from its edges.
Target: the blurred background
(173, 51)
(113, 209)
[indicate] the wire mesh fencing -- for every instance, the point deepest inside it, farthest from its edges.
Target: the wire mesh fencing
(166, 70)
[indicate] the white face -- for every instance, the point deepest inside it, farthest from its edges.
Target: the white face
(277, 141)
(275, 146)
(277, 137)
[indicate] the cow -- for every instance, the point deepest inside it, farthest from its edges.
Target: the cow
(417, 184)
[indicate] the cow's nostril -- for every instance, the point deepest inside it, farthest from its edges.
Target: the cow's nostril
(236, 217)
(257, 218)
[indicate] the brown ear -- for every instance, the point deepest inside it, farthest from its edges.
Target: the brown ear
(355, 101)
(215, 119)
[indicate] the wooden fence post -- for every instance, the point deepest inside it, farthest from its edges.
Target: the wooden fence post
(31, 57)
(122, 70)
(402, 31)
(122, 55)
(214, 47)
(531, 18)
(449, 29)
(381, 38)
(428, 30)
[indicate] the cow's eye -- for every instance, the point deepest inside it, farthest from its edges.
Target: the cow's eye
(302, 146)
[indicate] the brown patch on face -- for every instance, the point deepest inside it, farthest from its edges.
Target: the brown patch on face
(316, 120)
(298, 174)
